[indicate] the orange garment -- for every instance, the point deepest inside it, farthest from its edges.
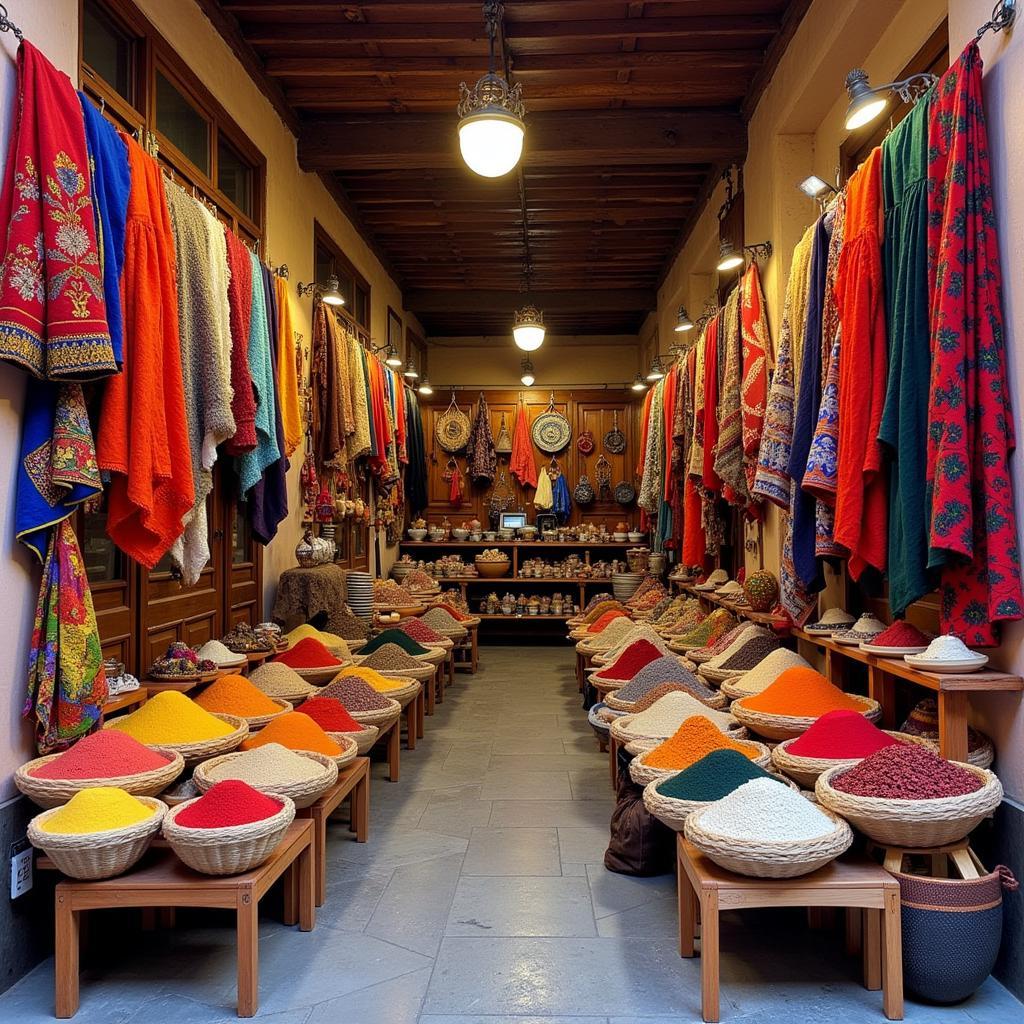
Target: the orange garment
(861, 503)
(668, 416)
(143, 433)
(521, 464)
(287, 370)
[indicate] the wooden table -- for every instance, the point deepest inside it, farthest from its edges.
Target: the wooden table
(392, 735)
(162, 880)
(414, 717)
(126, 700)
(353, 783)
(856, 883)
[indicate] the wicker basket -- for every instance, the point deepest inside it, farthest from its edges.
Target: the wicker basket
(719, 675)
(231, 850)
(302, 794)
(786, 859)
(673, 812)
(786, 727)
(915, 824)
(94, 855)
(187, 789)
(730, 690)
(641, 774)
(403, 695)
(202, 750)
(259, 721)
(621, 734)
(364, 739)
(420, 675)
(382, 717)
(715, 703)
(807, 769)
(349, 749)
(48, 793)
(319, 676)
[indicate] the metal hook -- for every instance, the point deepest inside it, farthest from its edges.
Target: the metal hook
(6, 25)
(1003, 15)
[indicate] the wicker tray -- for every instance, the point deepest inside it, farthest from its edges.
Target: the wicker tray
(914, 824)
(807, 769)
(364, 739)
(421, 675)
(770, 859)
(259, 721)
(227, 851)
(405, 610)
(406, 694)
(193, 753)
(620, 733)
(641, 774)
(786, 727)
(190, 793)
(319, 676)
(48, 793)
(715, 703)
(719, 675)
(95, 855)
(192, 677)
(382, 717)
(673, 812)
(301, 793)
(729, 689)
(349, 749)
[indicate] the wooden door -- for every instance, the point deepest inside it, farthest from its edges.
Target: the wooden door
(599, 417)
(242, 559)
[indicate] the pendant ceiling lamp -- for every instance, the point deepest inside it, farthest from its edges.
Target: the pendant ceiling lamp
(410, 370)
(491, 127)
(528, 328)
(425, 388)
(528, 377)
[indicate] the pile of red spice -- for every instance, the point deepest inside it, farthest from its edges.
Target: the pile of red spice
(419, 630)
(901, 634)
(605, 620)
(454, 612)
(635, 657)
(330, 714)
(231, 802)
(906, 771)
(106, 754)
(841, 734)
(308, 653)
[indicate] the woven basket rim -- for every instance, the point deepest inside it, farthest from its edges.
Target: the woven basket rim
(295, 790)
(328, 672)
(981, 801)
(647, 773)
(621, 705)
(841, 836)
(419, 674)
(678, 810)
(207, 748)
(205, 837)
(349, 749)
(96, 840)
(378, 716)
(259, 721)
(625, 737)
(30, 786)
(872, 710)
(783, 758)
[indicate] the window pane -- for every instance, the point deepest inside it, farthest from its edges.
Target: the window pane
(240, 537)
(234, 175)
(107, 50)
(102, 558)
(362, 307)
(324, 264)
(182, 123)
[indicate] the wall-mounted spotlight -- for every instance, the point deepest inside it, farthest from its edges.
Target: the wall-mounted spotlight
(425, 388)
(329, 295)
(816, 188)
(729, 257)
(639, 384)
(683, 321)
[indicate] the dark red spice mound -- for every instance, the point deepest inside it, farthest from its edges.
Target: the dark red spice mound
(330, 714)
(231, 802)
(906, 772)
(841, 734)
(901, 634)
(419, 630)
(308, 653)
(631, 660)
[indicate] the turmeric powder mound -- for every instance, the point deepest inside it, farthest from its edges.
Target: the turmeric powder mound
(694, 739)
(379, 682)
(296, 732)
(802, 692)
(96, 810)
(171, 718)
(235, 695)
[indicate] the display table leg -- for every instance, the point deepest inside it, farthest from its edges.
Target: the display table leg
(709, 965)
(248, 942)
(66, 958)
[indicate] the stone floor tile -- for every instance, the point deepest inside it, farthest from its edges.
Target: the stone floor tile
(521, 907)
(512, 851)
(550, 812)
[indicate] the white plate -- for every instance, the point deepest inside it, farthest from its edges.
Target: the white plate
(891, 652)
(848, 641)
(947, 667)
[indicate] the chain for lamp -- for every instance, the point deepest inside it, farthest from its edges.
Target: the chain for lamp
(492, 90)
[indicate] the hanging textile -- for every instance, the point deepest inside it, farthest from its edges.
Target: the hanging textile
(649, 498)
(522, 465)
(252, 465)
(728, 457)
(561, 500)
(483, 459)
(544, 499)
(695, 465)
(204, 337)
(287, 369)
(243, 400)
(771, 480)
(362, 434)
(111, 183)
(142, 441)
(712, 380)
(416, 471)
(693, 548)
(860, 524)
(53, 320)
(754, 392)
(67, 687)
(973, 530)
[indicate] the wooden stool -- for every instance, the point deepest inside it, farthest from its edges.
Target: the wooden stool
(706, 887)
(353, 783)
(959, 854)
(162, 880)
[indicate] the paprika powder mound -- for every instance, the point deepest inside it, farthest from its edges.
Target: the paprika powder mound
(840, 735)
(308, 653)
(106, 754)
(231, 802)
(802, 693)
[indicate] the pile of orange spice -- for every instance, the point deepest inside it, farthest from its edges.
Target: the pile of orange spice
(295, 731)
(606, 620)
(694, 739)
(802, 693)
(235, 695)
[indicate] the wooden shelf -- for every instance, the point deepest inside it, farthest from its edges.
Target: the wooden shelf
(523, 618)
(521, 544)
(129, 699)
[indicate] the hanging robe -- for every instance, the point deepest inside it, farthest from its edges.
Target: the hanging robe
(756, 339)
(287, 368)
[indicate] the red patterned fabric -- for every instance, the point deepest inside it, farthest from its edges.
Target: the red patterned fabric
(754, 393)
(711, 480)
(243, 403)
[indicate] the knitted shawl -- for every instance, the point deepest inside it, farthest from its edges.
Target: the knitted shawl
(729, 450)
(362, 436)
(243, 402)
(287, 370)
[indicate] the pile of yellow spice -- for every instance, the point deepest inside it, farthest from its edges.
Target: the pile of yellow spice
(101, 809)
(171, 718)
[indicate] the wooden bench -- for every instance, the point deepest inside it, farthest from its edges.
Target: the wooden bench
(859, 884)
(161, 880)
(353, 784)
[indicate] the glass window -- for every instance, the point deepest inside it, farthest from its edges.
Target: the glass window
(361, 312)
(108, 51)
(102, 558)
(240, 536)
(234, 175)
(182, 123)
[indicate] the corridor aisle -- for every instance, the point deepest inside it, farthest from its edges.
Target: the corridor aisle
(481, 899)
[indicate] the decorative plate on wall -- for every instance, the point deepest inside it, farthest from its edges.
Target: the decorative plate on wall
(615, 439)
(452, 429)
(551, 430)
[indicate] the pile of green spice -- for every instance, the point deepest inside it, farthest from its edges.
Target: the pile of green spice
(712, 777)
(396, 637)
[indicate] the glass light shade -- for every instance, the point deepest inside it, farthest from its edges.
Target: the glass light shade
(528, 378)
(730, 261)
(683, 321)
(491, 142)
(656, 372)
(812, 186)
(332, 294)
(864, 109)
(410, 370)
(528, 337)
(425, 388)
(392, 358)
(639, 384)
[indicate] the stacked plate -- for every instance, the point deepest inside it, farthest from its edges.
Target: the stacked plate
(359, 594)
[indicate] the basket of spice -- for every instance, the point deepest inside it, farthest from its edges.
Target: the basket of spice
(442, 619)
(282, 683)
(243, 639)
(236, 695)
(172, 720)
(399, 688)
(763, 674)
(423, 634)
(297, 731)
(700, 634)
(751, 652)
(183, 664)
(332, 716)
(607, 638)
(492, 563)
(310, 659)
(657, 673)
(365, 704)
(397, 638)
(694, 739)
(335, 644)
(640, 631)
(391, 659)
(302, 775)
(906, 795)
(702, 655)
(230, 829)
(98, 833)
(661, 720)
(766, 830)
(104, 758)
(672, 799)
(837, 739)
(791, 705)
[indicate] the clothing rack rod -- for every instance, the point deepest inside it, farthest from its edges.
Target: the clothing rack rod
(577, 386)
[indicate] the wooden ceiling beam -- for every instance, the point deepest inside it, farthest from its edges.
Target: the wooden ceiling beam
(555, 138)
(572, 301)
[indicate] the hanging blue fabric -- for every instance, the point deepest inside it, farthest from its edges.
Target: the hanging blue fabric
(562, 502)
